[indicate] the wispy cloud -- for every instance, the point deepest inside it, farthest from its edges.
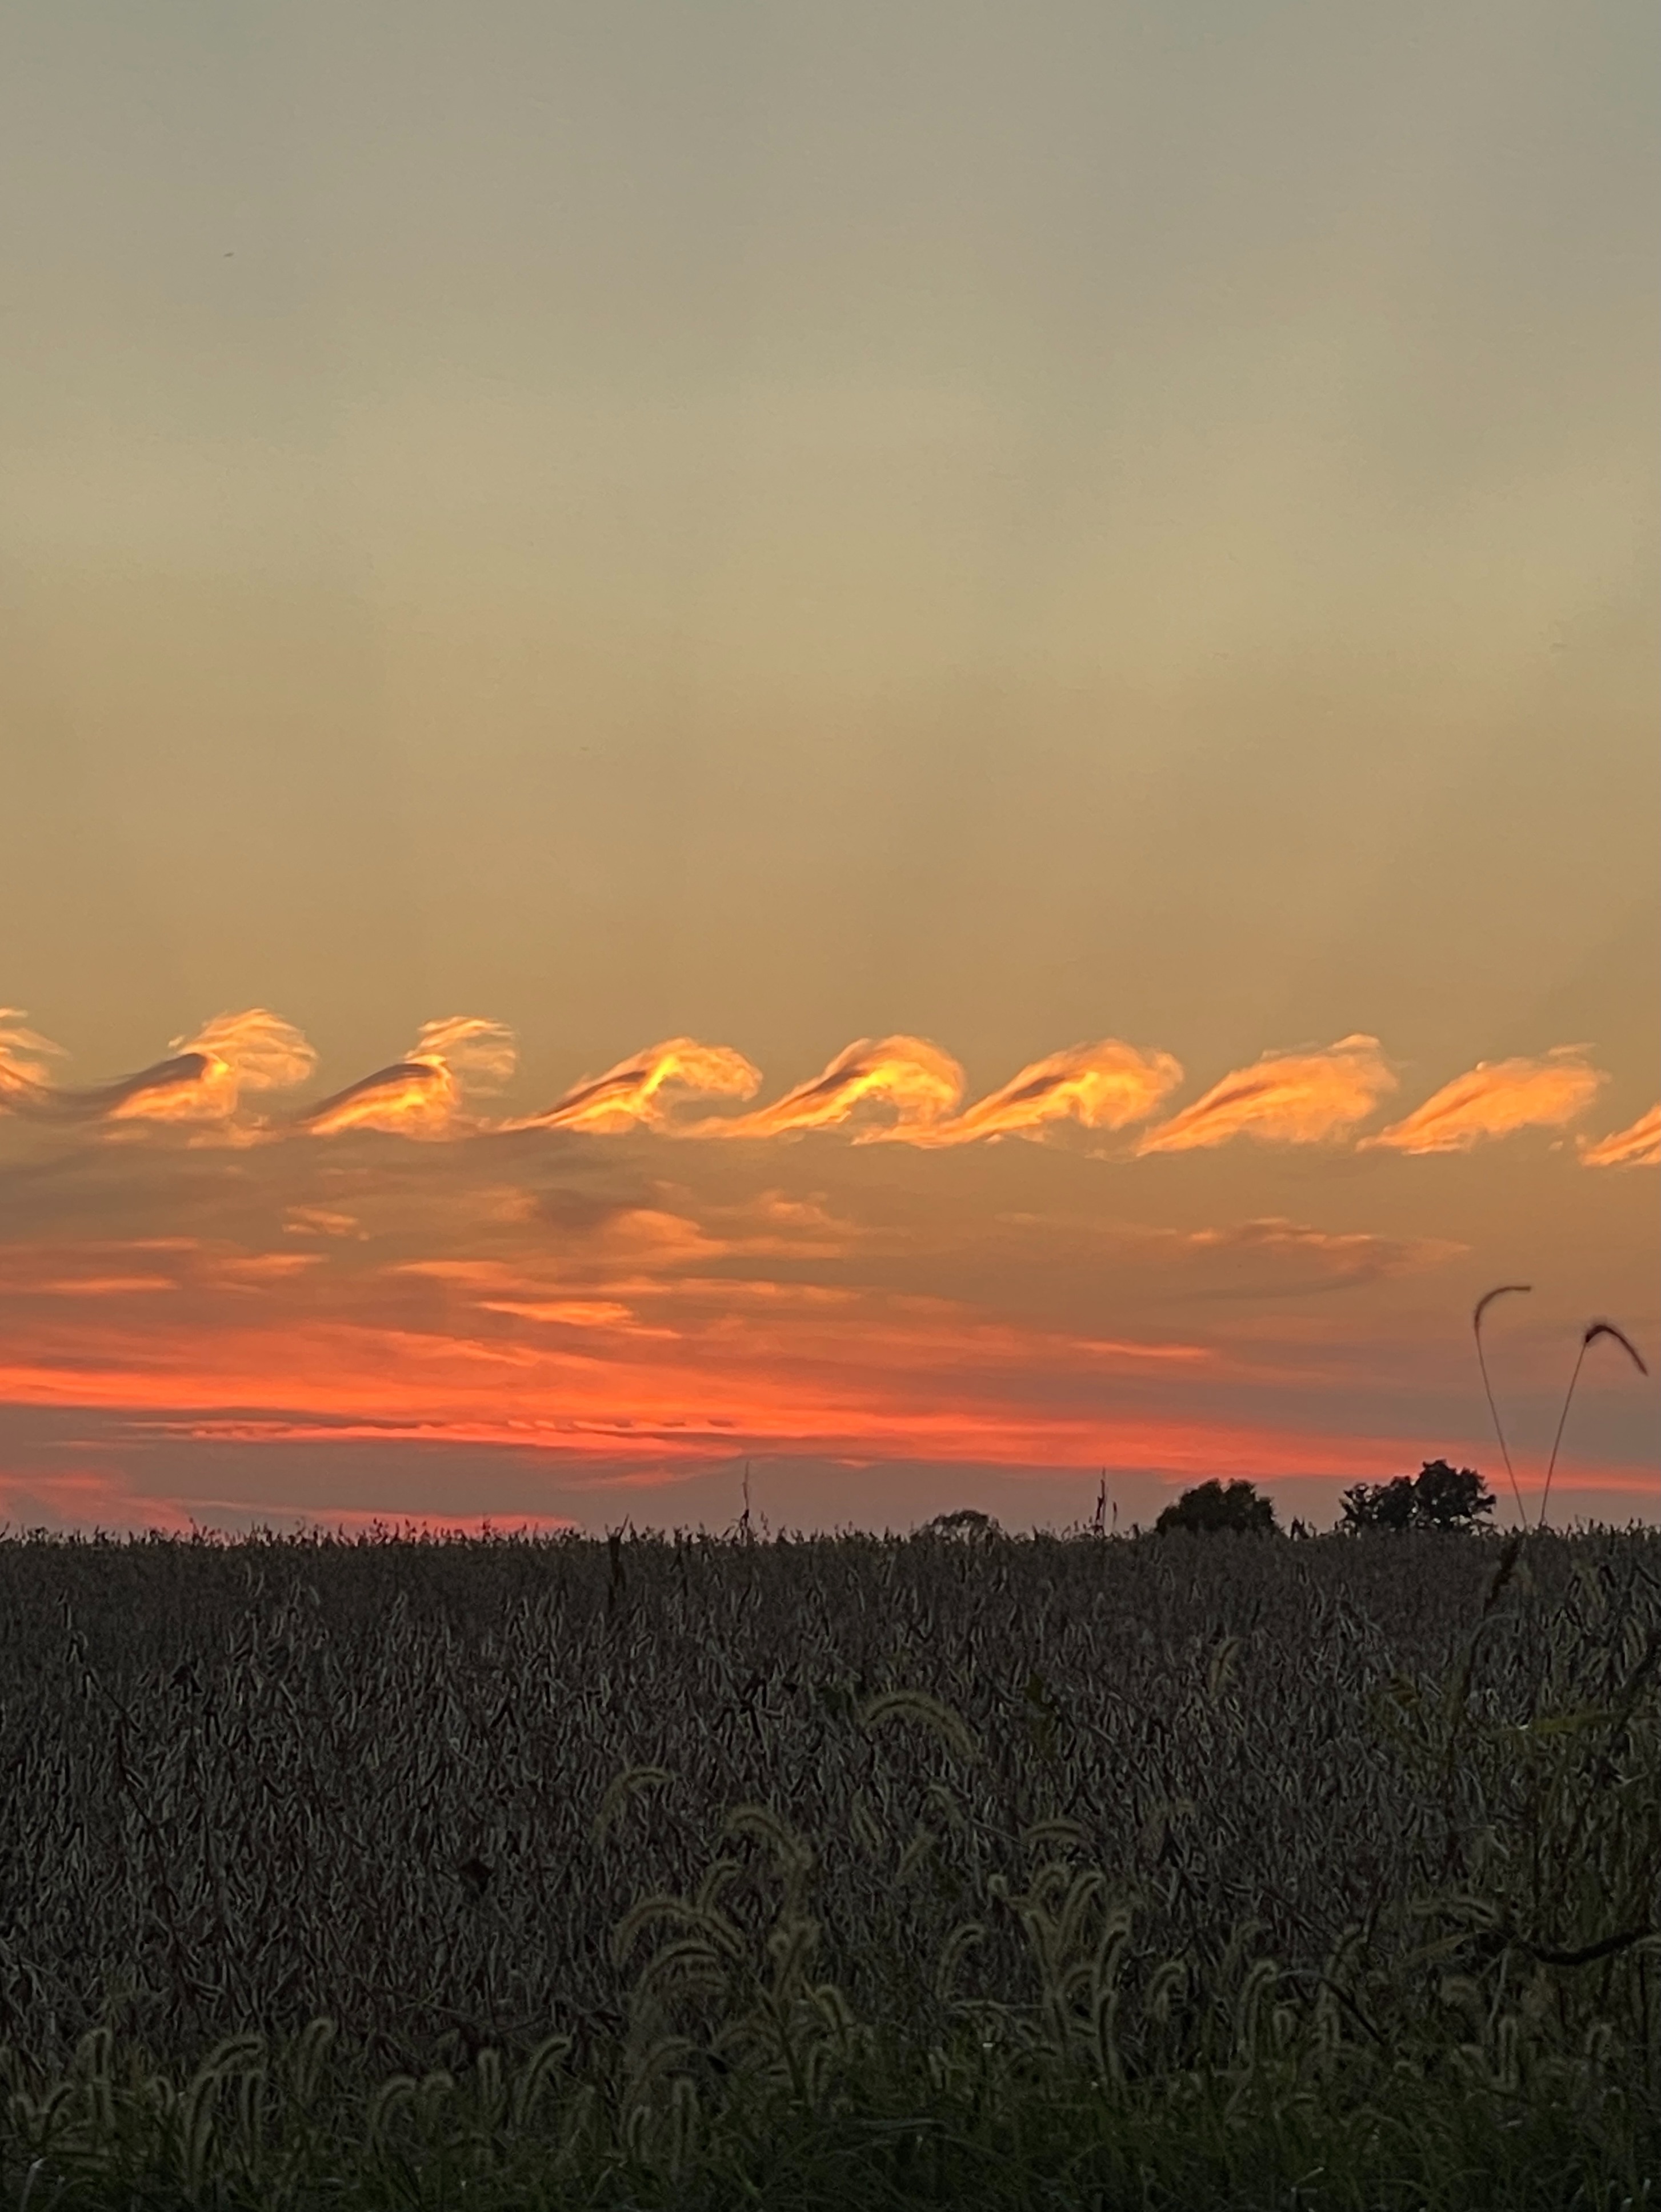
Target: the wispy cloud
(26, 1060)
(1637, 1146)
(643, 1091)
(1496, 1098)
(1310, 1098)
(321, 1221)
(1323, 1258)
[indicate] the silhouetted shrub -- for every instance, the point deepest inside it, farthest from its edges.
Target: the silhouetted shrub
(1214, 1506)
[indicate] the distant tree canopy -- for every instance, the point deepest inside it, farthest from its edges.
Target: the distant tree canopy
(1437, 1496)
(1215, 1505)
(965, 1522)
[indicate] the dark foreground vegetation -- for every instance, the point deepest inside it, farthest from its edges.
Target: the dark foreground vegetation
(1184, 1871)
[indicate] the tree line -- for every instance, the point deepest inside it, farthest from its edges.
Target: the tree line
(1450, 1499)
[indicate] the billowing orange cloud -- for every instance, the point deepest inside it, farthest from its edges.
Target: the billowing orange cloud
(1105, 1086)
(1284, 1098)
(907, 1078)
(201, 1081)
(1638, 1147)
(642, 1092)
(423, 1096)
(1495, 1098)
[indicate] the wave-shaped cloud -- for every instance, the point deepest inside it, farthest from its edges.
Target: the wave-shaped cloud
(905, 1090)
(423, 1095)
(1105, 1086)
(1637, 1146)
(909, 1081)
(1496, 1098)
(253, 1051)
(643, 1091)
(201, 1080)
(893, 1090)
(1313, 1097)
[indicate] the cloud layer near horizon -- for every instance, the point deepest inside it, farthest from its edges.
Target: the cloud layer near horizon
(649, 1276)
(893, 1090)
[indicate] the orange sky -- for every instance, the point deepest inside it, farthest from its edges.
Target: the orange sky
(203, 1264)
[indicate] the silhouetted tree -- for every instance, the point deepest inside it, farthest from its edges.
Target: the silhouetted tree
(965, 1523)
(1212, 1505)
(1437, 1496)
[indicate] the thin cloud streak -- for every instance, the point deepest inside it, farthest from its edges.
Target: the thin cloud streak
(1637, 1146)
(1497, 1099)
(1285, 1098)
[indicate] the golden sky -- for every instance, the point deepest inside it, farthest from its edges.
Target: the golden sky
(915, 743)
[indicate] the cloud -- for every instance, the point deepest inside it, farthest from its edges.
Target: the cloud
(569, 1313)
(904, 1077)
(892, 1090)
(321, 1221)
(255, 1271)
(1269, 1257)
(480, 1054)
(1284, 1098)
(895, 1090)
(1332, 1260)
(1494, 1099)
(644, 1090)
(1105, 1086)
(423, 1096)
(1636, 1146)
(411, 1099)
(82, 1499)
(201, 1082)
(260, 1050)
(26, 1060)
(648, 1324)
(775, 1222)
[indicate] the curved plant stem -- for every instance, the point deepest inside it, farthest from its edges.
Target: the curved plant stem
(1480, 1308)
(1594, 1330)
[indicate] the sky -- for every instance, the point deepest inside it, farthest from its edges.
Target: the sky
(904, 753)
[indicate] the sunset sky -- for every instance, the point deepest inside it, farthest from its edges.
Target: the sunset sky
(914, 744)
